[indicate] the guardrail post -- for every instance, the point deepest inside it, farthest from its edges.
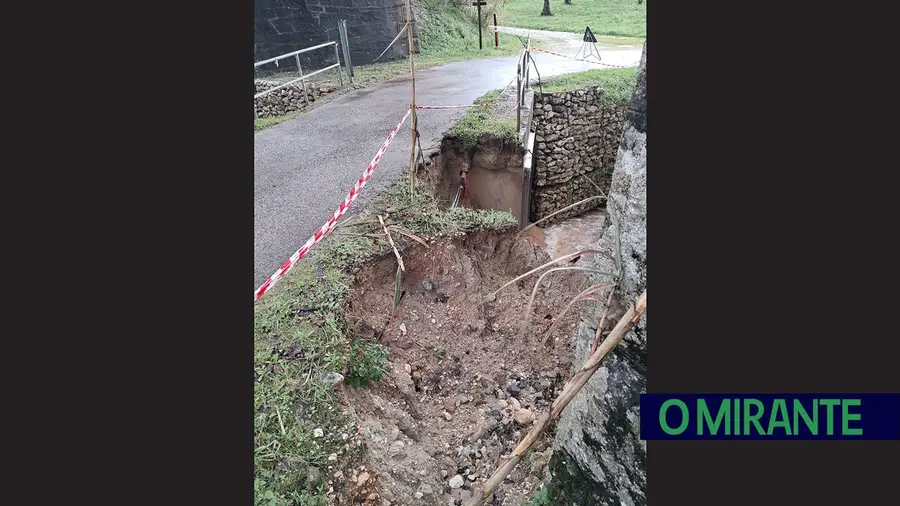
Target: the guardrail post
(345, 45)
(519, 99)
(302, 81)
(338, 58)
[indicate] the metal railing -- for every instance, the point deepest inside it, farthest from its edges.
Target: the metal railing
(522, 81)
(302, 79)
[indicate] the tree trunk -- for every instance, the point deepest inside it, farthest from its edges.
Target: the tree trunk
(546, 11)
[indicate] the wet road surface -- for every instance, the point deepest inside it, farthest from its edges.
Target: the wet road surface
(303, 168)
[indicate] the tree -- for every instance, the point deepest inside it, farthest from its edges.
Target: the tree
(569, 2)
(546, 11)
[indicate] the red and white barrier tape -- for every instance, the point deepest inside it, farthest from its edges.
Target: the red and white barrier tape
(332, 221)
(586, 61)
(449, 106)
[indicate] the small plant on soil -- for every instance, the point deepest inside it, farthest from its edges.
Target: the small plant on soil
(367, 362)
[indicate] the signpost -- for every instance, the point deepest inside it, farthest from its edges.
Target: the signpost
(496, 36)
(588, 46)
(478, 4)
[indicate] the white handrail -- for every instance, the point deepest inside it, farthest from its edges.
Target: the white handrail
(288, 55)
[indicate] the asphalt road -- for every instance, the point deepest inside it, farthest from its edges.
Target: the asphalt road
(303, 168)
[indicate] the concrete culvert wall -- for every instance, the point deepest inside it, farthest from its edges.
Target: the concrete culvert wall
(495, 172)
(576, 140)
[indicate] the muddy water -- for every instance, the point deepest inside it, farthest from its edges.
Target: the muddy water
(570, 235)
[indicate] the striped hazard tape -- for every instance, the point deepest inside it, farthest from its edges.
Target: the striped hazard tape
(332, 221)
(586, 61)
(450, 106)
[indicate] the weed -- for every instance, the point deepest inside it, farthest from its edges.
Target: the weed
(605, 17)
(366, 362)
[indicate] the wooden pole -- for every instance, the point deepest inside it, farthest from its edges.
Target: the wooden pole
(479, 4)
(571, 388)
(496, 36)
(412, 77)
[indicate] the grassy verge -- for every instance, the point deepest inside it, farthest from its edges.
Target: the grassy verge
(617, 83)
(479, 120)
(446, 34)
(302, 340)
(624, 18)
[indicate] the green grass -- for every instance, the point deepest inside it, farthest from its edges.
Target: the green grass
(618, 83)
(301, 335)
(605, 17)
(479, 120)
(446, 34)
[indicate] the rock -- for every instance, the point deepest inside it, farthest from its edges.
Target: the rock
(403, 329)
(465, 496)
(514, 403)
(428, 285)
(444, 474)
(456, 482)
(362, 479)
(496, 414)
(333, 457)
(317, 432)
(523, 417)
(314, 477)
(447, 416)
(449, 405)
(609, 468)
(427, 491)
(418, 495)
(407, 368)
(332, 379)
(513, 389)
(502, 404)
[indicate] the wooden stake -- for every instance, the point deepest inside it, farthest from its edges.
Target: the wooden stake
(572, 387)
(412, 77)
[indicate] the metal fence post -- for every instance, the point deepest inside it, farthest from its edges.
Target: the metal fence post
(519, 99)
(302, 81)
(345, 42)
(338, 58)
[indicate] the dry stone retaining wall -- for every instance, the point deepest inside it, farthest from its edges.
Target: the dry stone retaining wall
(576, 140)
(287, 99)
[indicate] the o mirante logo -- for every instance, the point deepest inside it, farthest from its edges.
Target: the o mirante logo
(770, 416)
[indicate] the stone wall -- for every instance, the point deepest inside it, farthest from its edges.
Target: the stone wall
(282, 26)
(287, 99)
(576, 138)
(598, 457)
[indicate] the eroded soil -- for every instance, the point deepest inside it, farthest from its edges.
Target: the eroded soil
(465, 381)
